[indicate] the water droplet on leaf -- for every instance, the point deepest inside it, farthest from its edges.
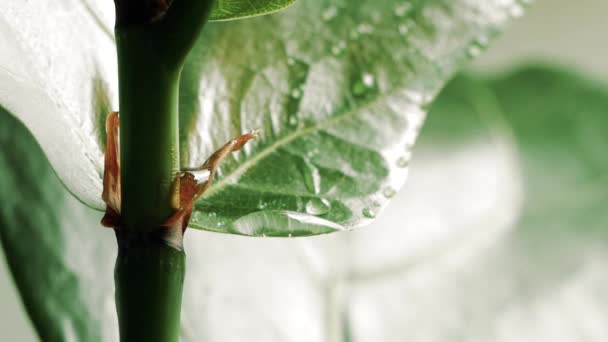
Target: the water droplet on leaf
(262, 205)
(293, 120)
(368, 80)
(329, 13)
(477, 46)
(389, 192)
(365, 28)
(296, 93)
(403, 161)
(338, 48)
(364, 84)
(369, 213)
(311, 153)
(402, 9)
(474, 51)
(196, 216)
(280, 223)
(376, 17)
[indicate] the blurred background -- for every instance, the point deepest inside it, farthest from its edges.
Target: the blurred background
(558, 32)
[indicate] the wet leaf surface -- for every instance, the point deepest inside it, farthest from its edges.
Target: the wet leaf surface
(338, 89)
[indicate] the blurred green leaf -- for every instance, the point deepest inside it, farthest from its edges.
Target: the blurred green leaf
(543, 277)
(338, 89)
(235, 9)
(502, 223)
(36, 218)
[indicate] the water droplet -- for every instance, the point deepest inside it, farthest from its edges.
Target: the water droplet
(389, 192)
(365, 28)
(369, 213)
(402, 9)
(197, 216)
(474, 51)
(403, 161)
(262, 205)
(338, 48)
(477, 46)
(419, 98)
(296, 93)
(403, 29)
(368, 80)
(318, 206)
(482, 42)
(364, 84)
(311, 153)
(376, 16)
(329, 13)
(277, 222)
(293, 120)
(289, 235)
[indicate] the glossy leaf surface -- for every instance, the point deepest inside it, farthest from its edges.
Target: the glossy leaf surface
(502, 222)
(338, 89)
(338, 94)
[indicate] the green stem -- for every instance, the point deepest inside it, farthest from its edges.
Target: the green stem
(149, 132)
(151, 47)
(149, 277)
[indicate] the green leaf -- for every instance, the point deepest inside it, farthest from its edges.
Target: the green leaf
(339, 112)
(37, 216)
(236, 9)
(502, 222)
(337, 87)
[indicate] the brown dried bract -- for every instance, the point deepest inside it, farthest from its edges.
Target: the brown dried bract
(191, 190)
(111, 174)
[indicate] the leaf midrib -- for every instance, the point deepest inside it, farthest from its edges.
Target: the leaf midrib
(249, 163)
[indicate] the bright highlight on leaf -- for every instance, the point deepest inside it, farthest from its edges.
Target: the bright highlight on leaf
(339, 89)
(238, 9)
